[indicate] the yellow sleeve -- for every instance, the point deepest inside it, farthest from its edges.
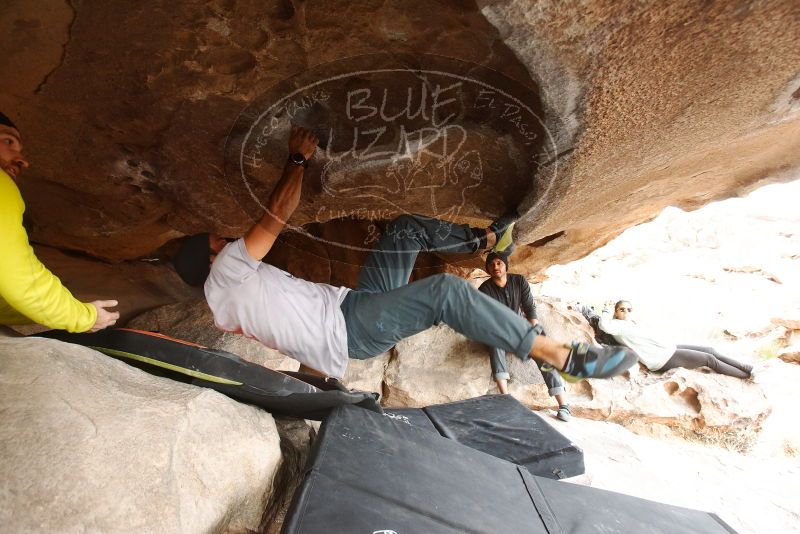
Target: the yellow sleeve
(28, 290)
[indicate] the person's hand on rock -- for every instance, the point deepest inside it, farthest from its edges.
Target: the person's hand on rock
(105, 318)
(302, 140)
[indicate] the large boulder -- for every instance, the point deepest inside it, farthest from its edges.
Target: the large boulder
(650, 105)
(690, 403)
(155, 132)
(440, 365)
(88, 443)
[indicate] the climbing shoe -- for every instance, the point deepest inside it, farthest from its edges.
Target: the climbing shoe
(505, 242)
(593, 361)
(503, 229)
(563, 413)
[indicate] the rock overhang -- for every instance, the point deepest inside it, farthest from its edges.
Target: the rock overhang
(398, 134)
(127, 114)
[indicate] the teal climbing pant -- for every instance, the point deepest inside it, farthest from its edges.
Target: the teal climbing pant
(385, 308)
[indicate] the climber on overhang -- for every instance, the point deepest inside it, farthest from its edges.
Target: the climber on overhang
(321, 325)
(29, 292)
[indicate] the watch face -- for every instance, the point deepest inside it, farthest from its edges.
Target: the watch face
(297, 158)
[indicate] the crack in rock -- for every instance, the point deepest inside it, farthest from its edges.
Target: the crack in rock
(46, 78)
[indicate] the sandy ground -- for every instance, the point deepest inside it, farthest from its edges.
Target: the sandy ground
(754, 494)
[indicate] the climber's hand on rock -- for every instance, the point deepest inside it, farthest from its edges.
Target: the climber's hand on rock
(105, 318)
(303, 140)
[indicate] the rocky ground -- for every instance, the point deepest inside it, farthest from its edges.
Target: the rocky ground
(753, 493)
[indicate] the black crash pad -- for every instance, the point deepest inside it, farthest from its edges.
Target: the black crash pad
(499, 425)
(370, 473)
(280, 392)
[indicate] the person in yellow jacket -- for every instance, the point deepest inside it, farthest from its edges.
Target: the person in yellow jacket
(29, 292)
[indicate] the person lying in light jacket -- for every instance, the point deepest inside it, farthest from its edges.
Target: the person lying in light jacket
(659, 354)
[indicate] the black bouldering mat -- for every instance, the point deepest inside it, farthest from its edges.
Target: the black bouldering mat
(499, 425)
(412, 416)
(374, 474)
(283, 393)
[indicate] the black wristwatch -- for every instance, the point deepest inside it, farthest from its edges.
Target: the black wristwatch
(298, 159)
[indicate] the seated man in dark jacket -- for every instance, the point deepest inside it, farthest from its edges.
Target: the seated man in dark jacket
(513, 291)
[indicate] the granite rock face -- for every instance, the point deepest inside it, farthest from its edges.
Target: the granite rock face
(661, 105)
(91, 444)
(128, 114)
(440, 365)
(136, 120)
(694, 403)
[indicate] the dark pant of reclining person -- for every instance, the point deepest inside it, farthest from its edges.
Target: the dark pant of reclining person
(694, 356)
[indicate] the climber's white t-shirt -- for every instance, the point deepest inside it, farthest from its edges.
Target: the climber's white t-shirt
(298, 318)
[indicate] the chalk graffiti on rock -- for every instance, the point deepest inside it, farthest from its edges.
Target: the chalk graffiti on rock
(403, 159)
(395, 137)
(508, 110)
(360, 105)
